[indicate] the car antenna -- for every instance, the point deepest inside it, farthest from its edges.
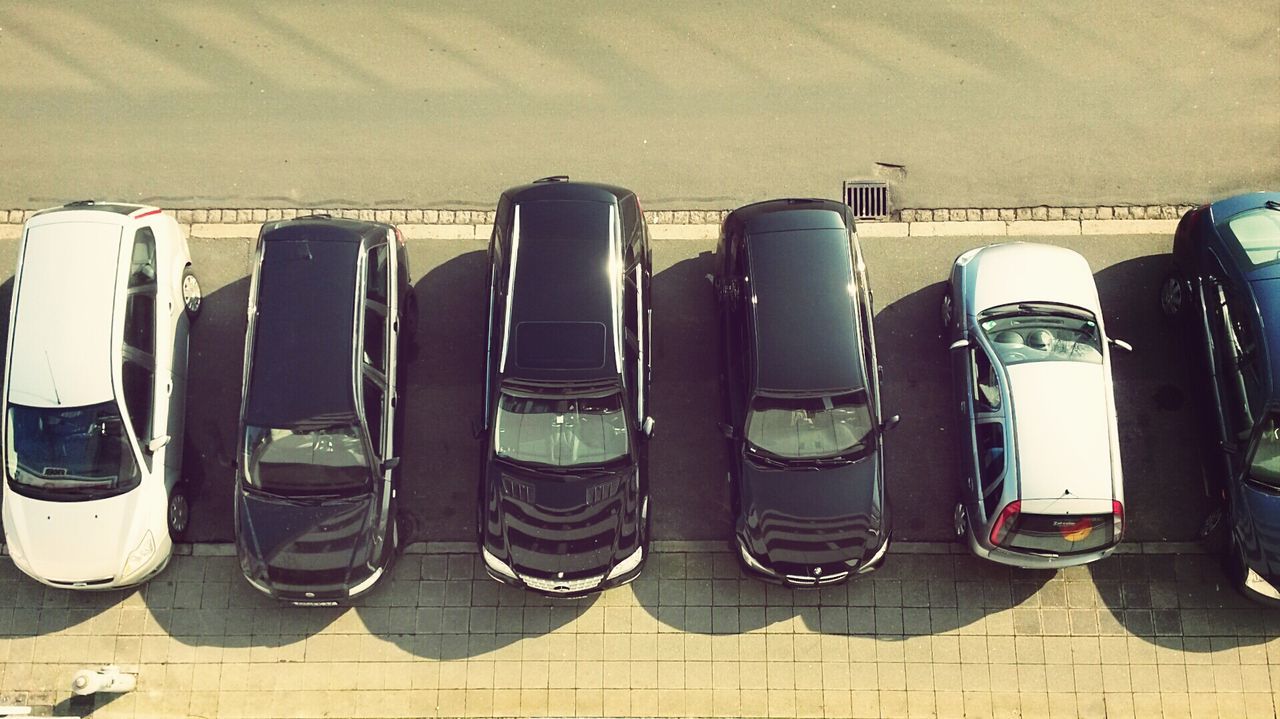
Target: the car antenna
(52, 380)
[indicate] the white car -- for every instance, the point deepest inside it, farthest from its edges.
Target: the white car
(1037, 441)
(94, 394)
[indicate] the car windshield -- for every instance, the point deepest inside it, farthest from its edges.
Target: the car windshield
(1265, 468)
(70, 451)
(1042, 332)
(561, 432)
(809, 427)
(306, 461)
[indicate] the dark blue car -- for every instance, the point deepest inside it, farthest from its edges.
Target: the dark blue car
(1224, 289)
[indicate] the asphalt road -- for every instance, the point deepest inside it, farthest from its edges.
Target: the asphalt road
(246, 104)
(441, 460)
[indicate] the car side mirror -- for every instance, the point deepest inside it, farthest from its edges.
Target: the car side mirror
(157, 443)
(389, 464)
(647, 426)
(477, 428)
(1121, 345)
(727, 430)
(959, 344)
(890, 423)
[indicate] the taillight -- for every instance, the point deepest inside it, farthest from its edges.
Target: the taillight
(1117, 517)
(1004, 523)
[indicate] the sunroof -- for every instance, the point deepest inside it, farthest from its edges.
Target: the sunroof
(560, 345)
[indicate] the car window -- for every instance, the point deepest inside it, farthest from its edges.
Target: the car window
(991, 448)
(139, 397)
(374, 403)
(376, 275)
(142, 265)
(561, 432)
(375, 338)
(140, 322)
(1257, 235)
(1041, 332)
(1265, 467)
(986, 385)
(809, 427)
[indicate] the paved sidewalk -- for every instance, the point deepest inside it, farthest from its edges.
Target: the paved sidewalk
(942, 634)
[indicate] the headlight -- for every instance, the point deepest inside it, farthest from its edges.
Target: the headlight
(870, 564)
(496, 564)
(1255, 582)
(751, 560)
(260, 586)
(252, 569)
(366, 583)
(140, 555)
(626, 565)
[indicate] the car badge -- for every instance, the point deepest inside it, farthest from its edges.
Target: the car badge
(817, 571)
(559, 575)
(309, 595)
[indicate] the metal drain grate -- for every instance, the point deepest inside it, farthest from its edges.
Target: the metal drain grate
(868, 198)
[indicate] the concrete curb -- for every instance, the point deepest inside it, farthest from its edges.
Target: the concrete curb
(681, 546)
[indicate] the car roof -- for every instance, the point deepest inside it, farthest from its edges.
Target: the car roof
(563, 306)
(1014, 272)
(303, 345)
(63, 351)
(561, 188)
(802, 300)
(791, 214)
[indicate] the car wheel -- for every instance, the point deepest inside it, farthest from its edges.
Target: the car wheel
(192, 295)
(178, 514)
(1174, 295)
(960, 520)
(948, 310)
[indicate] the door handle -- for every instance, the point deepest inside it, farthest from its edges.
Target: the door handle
(168, 388)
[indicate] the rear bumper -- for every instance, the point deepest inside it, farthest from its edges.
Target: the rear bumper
(1027, 560)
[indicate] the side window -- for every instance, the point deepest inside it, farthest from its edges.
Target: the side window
(140, 322)
(138, 390)
(986, 386)
(375, 309)
(990, 437)
(1265, 467)
(142, 265)
(374, 401)
(632, 235)
(634, 336)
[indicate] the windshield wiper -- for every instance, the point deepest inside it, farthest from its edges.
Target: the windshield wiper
(766, 459)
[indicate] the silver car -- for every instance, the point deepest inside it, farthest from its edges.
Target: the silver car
(1041, 484)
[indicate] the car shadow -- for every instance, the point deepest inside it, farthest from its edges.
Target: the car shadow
(214, 373)
(920, 459)
(911, 595)
(440, 458)
(687, 462)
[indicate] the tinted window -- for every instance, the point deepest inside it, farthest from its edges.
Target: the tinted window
(375, 338)
(560, 345)
(139, 384)
(376, 274)
(374, 400)
(1265, 467)
(1056, 534)
(986, 389)
(140, 322)
(990, 437)
(142, 266)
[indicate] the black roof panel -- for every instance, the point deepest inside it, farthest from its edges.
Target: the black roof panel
(303, 353)
(806, 336)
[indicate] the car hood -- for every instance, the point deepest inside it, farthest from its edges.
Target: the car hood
(1258, 529)
(1027, 272)
(553, 524)
(802, 518)
(95, 550)
(306, 547)
(1064, 427)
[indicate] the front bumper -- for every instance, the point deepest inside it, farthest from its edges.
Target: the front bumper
(153, 566)
(562, 588)
(806, 577)
(325, 596)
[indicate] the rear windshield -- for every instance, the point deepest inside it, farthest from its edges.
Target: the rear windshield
(1059, 534)
(1258, 233)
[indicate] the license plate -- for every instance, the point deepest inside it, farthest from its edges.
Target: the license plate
(314, 604)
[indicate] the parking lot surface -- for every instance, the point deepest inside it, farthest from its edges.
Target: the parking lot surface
(930, 635)
(690, 501)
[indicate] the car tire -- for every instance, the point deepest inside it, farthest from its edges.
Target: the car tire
(947, 313)
(178, 513)
(192, 294)
(959, 519)
(1174, 295)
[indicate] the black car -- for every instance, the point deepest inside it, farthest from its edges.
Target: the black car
(564, 489)
(801, 393)
(1224, 288)
(330, 309)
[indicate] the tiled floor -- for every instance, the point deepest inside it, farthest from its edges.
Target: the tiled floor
(931, 635)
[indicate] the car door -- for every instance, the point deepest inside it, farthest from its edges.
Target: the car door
(379, 328)
(147, 385)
